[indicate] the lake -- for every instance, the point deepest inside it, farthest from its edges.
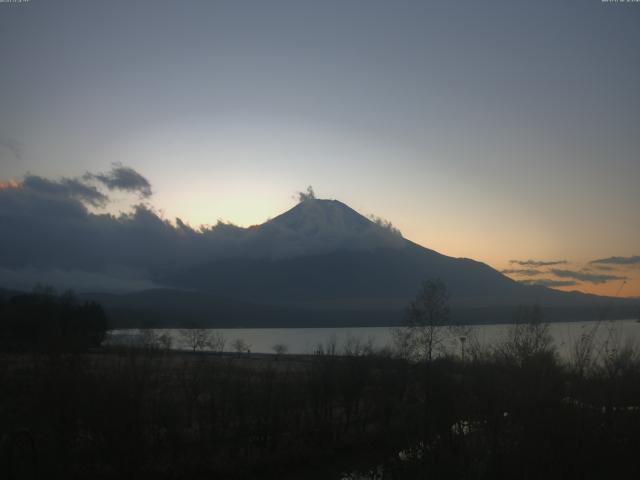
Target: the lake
(307, 340)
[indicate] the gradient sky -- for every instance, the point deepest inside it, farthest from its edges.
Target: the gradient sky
(496, 130)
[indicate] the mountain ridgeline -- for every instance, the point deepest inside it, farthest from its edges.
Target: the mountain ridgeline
(323, 264)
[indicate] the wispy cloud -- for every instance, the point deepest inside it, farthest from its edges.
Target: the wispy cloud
(12, 146)
(523, 272)
(605, 268)
(633, 260)
(586, 276)
(538, 263)
(549, 282)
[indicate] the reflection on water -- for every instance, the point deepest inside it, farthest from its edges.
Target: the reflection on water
(309, 340)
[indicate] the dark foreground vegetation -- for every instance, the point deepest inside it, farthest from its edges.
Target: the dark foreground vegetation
(44, 321)
(511, 411)
(162, 414)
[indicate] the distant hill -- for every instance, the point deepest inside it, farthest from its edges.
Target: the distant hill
(166, 308)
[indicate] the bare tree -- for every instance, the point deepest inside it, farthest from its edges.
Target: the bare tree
(402, 342)
(217, 341)
(583, 351)
(330, 347)
(428, 320)
(356, 347)
(528, 337)
(165, 341)
(151, 340)
(196, 338)
(148, 339)
(280, 349)
(240, 346)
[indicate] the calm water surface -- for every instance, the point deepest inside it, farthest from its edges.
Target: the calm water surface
(307, 340)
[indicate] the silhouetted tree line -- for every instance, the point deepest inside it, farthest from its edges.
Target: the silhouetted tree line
(45, 321)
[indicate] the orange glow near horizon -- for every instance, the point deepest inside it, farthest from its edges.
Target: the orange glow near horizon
(9, 185)
(628, 286)
(630, 289)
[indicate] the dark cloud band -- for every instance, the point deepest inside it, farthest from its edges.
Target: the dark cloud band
(66, 188)
(549, 282)
(523, 272)
(123, 178)
(633, 260)
(538, 263)
(589, 277)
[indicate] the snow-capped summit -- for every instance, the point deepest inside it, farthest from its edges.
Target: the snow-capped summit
(316, 226)
(313, 214)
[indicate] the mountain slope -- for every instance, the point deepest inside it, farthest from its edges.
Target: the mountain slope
(321, 254)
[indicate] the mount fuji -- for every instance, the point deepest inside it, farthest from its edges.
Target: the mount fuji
(322, 263)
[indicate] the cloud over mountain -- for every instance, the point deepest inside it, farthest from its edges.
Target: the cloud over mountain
(70, 188)
(57, 225)
(60, 230)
